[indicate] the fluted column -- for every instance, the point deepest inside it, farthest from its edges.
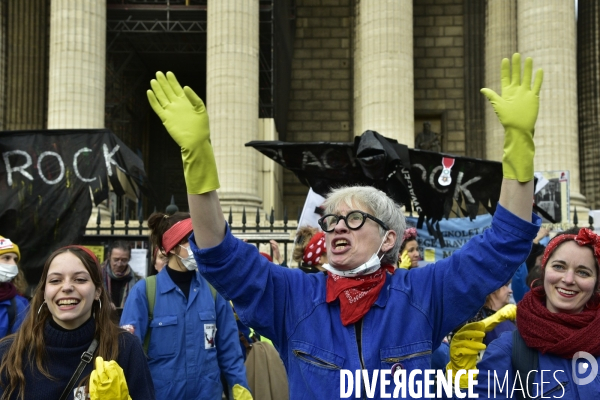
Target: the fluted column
(232, 97)
(588, 76)
(500, 42)
(77, 64)
(547, 32)
(24, 65)
(386, 98)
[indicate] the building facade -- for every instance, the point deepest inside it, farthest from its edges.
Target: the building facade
(304, 70)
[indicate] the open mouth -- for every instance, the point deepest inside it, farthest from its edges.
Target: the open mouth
(340, 244)
(68, 302)
(565, 292)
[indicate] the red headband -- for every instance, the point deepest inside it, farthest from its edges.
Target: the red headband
(583, 238)
(315, 249)
(176, 234)
(409, 234)
(88, 251)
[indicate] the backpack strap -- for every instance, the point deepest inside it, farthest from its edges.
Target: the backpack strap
(151, 297)
(12, 314)
(524, 359)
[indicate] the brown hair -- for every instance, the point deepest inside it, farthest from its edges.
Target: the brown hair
(29, 341)
(159, 223)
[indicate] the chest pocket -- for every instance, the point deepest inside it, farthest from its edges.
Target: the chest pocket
(164, 336)
(315, 359)
(411, 356)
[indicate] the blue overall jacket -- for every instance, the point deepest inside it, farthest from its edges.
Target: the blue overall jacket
(413, 312)
(192, 340)
(22, 306)
(554, 378)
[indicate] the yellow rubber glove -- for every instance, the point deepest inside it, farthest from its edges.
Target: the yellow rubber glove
(107, 381)
(405, 261)
(508, 312)
(241, 393)
(517, 110)
(184, 115)
(464, 349)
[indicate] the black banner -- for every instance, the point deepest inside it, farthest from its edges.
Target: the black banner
(407, 175)
(47, 180)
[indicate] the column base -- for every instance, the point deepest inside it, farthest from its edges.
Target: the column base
(237, 203)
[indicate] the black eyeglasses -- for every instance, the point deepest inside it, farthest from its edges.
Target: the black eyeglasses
(354, 220)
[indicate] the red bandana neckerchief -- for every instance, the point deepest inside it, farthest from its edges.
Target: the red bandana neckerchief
(557, 333)
(356, 294)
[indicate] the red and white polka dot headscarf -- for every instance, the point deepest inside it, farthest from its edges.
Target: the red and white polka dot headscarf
(315, 249)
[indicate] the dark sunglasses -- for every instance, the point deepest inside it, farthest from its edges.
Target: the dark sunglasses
(354, 220)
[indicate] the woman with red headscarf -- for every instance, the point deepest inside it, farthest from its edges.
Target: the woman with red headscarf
(558, 323)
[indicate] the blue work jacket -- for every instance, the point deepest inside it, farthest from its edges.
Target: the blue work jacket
(186, 355)
(20, 313)
(414, 310)
(557, 377)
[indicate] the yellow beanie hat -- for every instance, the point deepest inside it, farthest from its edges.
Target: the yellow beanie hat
(7, 246)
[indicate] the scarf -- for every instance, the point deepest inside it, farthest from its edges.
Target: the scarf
(108, 276)
(557, 333)
(356, 294)
(7, 291)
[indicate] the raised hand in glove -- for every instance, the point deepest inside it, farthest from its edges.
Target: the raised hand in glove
(464, 349)
(405, 261)
(508, 312)
(107, 381)
(517, 110)
(184, 115)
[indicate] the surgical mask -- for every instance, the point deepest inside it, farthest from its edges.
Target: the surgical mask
(372, 265)
(8, 272)
(189, 262)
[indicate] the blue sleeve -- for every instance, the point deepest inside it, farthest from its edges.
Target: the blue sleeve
(135, 310)
(495, 370)
(22, 309)
(229, 353)
(453, 289)
(519, 285)
(263, 293)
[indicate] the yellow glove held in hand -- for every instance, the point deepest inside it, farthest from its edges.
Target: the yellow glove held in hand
(405, 261)
(464, 349)
(107, 381)
(241, 393)
(508, 312)
(184, 115)
(517, 110)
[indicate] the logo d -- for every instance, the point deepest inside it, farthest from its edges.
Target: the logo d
(583, 367)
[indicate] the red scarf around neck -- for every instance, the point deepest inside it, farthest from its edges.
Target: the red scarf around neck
(356, 294)
(557, 333)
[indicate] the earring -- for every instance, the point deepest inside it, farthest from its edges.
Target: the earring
(40, 309)
(100, 304)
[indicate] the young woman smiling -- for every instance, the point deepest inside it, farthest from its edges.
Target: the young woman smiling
(66, 315)
(558, 319)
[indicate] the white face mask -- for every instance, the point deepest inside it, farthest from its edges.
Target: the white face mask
(189, 262)
(372, 265)
(8, 272)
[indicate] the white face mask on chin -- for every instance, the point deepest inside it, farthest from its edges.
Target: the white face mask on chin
(372, 265)
(8, 272)
(189, 262)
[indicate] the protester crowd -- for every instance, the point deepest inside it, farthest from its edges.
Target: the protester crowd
(222, 320)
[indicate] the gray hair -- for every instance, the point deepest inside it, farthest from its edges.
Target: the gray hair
(375, 202)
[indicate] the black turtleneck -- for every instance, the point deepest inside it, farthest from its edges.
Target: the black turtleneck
(182, 279)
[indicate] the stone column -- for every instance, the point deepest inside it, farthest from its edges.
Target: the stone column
(500, 42)
(24, 64)
(77, 64)
(547, 30)
(232, 98)
(385, 85)
(588, 76)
